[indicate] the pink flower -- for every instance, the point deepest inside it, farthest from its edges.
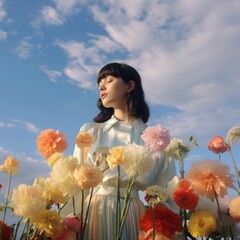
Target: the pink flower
(156, 138)
(234, 209)
(73, 222)
(218, 145)
(67, 234)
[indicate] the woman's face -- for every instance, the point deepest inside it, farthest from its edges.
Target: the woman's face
(113, 92)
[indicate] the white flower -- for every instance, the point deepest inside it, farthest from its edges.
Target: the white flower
(137, 160)
(178, 148)
(62, 175)
(172, 186)
(233, 135)
(27, 201)
(207, 205)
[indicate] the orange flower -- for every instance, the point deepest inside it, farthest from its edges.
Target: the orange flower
(84, 139)
(234, 209)
(218, 145)
(50, 141)
(210, 177)
(10, 165)
(184, 196)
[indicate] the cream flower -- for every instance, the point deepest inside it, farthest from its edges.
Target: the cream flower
(10, 165)
(116, 156)
(100, 155)
(233, 135)
(87, 175)
(54, 157)
(49, 191)
(137, 160)
(27, 201)
(49, 222)
(84, 139)
(155, 195)
(62, 175)
(178, 148)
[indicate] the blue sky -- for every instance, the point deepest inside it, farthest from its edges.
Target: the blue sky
(187, 52)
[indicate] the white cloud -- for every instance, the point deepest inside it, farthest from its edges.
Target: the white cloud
(3, 35)
(51, 16)
(24, 48)
(27, 125)
(7, 125)
(3, 13)
(53, 75)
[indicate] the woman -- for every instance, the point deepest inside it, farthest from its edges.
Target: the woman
(121, 121)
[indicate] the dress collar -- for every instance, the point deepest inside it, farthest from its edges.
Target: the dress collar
(137, 124)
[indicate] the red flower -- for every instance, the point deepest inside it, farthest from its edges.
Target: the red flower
(218, 145)
(184, 196)
(6, 231)
(166, 221)
(0, 186)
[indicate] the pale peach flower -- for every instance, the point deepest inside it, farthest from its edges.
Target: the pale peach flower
(234, 209)
(54, 157)
(27, 201)
(49, 190)
(62, 175)
(137, 160)
(84, 139)
(49, 222)
(116, 156)
(50, 141)
(210, 177)
(10, 165)
(73, 222)
(87, 175)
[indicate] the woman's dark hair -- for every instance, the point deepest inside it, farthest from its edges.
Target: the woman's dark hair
(137, 106)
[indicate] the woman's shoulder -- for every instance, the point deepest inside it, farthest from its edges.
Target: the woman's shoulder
(90, 127)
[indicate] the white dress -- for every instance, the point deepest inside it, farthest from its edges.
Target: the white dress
(102, 215)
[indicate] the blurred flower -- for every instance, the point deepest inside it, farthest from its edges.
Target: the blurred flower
(10, 165)
(218, 145)
(137, 160)
(0, 186)
(201, 224)
(84, 139)
(178, 148)
(49, 222)
(166, 221)
(72, 222)
(100, 155)
(210, 177)
(149, 236)
(54, 157)
(184, 196)
(172, 186)
(116, 156)
(155, 195)
(49, 190)
(50, 141)
(27, 201)
(62, 175)
(156, 139)
(67, 234)
(233, 135)
(208, 205)
(87, 175)
(6, 231)
(234, 209)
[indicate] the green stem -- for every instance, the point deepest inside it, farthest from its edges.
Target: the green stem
(126, 205)
(17, 226)
(81, 215)
(118, 210)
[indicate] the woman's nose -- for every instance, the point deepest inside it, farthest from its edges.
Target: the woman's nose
(102, 86)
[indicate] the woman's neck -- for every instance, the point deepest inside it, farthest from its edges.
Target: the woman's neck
(123, 116)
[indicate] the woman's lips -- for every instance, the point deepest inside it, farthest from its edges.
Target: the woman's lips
(103, 95)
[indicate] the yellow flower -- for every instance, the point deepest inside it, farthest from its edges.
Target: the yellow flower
(201, 224)
(116, 156)
(10, 165)
(50, 222)
(87, 175)
(84, 139)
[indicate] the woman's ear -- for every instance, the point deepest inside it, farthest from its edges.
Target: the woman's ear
(131, 86)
